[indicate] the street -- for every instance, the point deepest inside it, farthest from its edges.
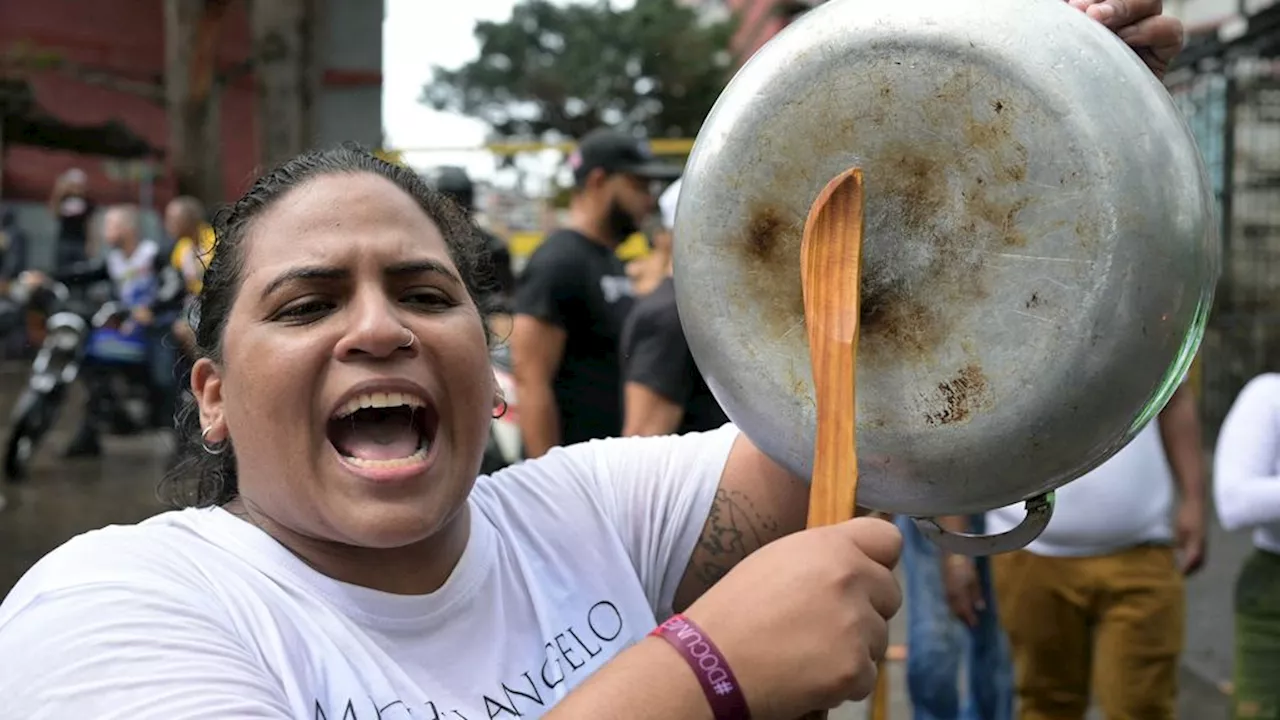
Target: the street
(64, 498)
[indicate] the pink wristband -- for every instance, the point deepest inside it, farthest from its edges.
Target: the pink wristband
(704, 658)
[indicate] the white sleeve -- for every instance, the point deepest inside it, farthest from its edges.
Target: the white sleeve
(1246, 487)
(657, 493)
(121, 651)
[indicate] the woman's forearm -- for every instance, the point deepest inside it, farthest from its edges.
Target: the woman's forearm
(1248, 501)
(648, 681)
(1181, 436)
(1246, 488)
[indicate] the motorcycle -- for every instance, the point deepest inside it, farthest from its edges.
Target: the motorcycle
(78, 331)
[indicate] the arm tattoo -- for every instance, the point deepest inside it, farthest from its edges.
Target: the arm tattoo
(735, 528)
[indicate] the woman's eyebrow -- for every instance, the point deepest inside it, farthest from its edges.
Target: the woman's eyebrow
(423, 267)
(320, 272)
(310, 272)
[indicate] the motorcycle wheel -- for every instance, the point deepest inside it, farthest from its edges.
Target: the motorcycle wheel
(34, 416)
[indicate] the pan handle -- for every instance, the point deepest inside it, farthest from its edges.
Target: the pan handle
(1039, 510)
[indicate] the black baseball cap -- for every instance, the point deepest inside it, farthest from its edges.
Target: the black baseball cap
(616, 152)
(455, 182)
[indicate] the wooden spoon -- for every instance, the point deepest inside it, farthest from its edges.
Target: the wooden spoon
(831, 267)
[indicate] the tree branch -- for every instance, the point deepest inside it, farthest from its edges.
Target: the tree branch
(87, 74)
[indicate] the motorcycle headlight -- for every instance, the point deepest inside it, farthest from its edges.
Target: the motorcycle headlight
(65, 339)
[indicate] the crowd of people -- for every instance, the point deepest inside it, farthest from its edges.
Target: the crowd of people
(155, 278)
(337, 552)
(597, 346)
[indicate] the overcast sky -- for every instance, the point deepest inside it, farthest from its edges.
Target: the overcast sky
(416, 35)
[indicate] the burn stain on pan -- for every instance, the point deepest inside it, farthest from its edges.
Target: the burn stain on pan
(937, 209)
(960, 397)
(770, 245)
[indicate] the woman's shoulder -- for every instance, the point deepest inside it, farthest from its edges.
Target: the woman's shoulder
(1262, 391)
(163, 551)
(562, 479)
(1268, 382)
(599, 475)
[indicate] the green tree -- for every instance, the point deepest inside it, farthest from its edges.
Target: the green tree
(557, 70)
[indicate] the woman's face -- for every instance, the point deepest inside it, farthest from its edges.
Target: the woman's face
(342, 432)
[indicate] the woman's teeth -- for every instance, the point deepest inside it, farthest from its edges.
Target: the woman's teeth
(379, 400)
(413, 459)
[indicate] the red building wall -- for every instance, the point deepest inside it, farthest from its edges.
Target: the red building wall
(758, 20)
(124, 38)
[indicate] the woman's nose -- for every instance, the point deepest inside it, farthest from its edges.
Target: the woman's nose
(375, 330)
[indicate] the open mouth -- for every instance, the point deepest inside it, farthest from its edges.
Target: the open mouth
(383, 430)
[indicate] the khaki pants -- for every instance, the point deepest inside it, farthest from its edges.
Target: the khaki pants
(1113, 624)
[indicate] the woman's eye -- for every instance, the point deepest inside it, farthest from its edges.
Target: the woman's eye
(432, 300)
(303, 311)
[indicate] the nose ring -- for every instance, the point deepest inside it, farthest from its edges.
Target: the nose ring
(409, 343)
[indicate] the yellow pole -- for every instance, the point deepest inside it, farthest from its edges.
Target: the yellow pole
(659, 146)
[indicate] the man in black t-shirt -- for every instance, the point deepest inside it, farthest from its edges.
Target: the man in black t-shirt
(574, 295)
(664, 390)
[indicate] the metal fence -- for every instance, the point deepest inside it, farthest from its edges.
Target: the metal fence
(1229, 92)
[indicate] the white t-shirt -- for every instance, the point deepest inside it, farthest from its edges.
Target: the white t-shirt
(667, 204)
(134, 275)
(1246, 465)
(199, 615)
(1126, 501)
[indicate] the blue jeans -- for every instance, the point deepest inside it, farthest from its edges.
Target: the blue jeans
(936, 641)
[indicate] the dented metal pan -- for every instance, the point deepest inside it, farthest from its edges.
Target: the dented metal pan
(1040, 249)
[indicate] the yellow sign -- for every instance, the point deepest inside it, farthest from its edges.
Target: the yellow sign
(659, 146)
(521, 245)
(395, 157)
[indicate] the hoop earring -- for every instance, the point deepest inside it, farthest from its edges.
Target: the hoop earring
(500, 411)
(204, 443)
(412, 338)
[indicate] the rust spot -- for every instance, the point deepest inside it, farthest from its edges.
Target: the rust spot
(1016, 168)
(1000, 216)
(919, 184)
(770, 244)
(890, 322)
(763, 234)
(961, 396)
(938, 209)
(1086, 230)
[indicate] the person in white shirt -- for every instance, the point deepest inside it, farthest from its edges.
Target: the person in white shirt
(339, 557)
(1095, 605)
(1246, 477)
(142, 283)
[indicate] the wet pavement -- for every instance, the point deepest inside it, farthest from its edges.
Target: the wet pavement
(63, 498)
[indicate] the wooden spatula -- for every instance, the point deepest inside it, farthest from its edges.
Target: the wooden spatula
(831, 267)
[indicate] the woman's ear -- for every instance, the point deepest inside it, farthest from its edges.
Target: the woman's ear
(206, 385)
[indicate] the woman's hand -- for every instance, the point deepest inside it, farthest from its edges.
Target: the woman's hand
(1157, 38)
(803, 621)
